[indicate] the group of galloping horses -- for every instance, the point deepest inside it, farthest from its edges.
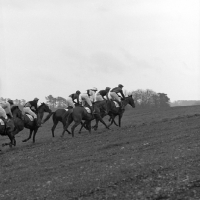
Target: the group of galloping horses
(78, 114)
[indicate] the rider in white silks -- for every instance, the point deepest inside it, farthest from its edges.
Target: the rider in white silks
(5, 108)
(29, 106)
(88, 98)
(70, 101)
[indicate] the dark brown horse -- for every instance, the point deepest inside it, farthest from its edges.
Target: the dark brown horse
(7, 130)
(24, 121)
(59, 115)
(114, 111)
(80, 113)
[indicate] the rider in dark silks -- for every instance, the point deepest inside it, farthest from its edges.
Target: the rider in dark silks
(70, 101)
(101, 94)
(31, 108)
(114, 94)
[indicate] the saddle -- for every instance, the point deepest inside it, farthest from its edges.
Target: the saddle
(29, 116)
(4, 123)
(87, 109)
(116, 103)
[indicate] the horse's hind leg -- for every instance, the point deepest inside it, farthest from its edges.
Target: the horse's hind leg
(30, 134)
(65, 129)
(96, 125)
(55, 122)
(68, 122)
(101, 120)
(89, 126)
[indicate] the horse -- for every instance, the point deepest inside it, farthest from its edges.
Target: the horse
(7, 130)
(113, 111)
(59, 115)
(79, 113)
(23, 121)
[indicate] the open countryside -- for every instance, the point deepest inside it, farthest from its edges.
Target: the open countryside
(154, 155)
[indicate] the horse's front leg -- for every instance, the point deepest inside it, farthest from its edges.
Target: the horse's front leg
(12, 141)
(83, 124)
(120, 117)
(74, 126)
(65, 129)
(96, 125)
(30, 134)
(112, 119)
(101, 120)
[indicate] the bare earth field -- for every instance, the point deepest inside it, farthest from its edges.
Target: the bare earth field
(154, 155)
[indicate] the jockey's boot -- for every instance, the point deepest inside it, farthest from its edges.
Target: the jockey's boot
(92, 110)
(6, 120)
(120, 105)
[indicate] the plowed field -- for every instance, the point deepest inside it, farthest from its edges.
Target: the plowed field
(154, 155)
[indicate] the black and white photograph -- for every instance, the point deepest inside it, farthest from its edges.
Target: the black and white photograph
(99, 99)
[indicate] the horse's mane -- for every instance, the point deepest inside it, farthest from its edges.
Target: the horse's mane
(42, 104)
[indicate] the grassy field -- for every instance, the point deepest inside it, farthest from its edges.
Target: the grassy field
(154, 155)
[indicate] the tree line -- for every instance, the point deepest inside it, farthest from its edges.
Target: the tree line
(143, 99)
(185, 103)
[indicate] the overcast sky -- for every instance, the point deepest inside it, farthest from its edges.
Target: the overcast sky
(60, 46)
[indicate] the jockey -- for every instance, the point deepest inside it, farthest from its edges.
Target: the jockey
(100, 96)
(70, 100)
(86, 97)
(92, 94)
(114, 94)
(11, 103)
(7, 106)
(29, 106)
(4, 110)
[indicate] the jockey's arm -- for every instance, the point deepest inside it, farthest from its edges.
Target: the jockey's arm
(107, 96)
(34, 104)
(121, 92)
(78, 100)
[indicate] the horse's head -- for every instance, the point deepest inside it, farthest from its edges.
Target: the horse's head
(44, 107)
(130, 101)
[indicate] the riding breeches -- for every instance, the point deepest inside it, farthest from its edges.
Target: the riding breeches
(3, 113)
(85, 98)
(69, 102)
(29, 111)
(6, 107)
(99, 97)
(114, 96)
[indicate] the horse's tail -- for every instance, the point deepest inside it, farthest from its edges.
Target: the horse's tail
(47, 117)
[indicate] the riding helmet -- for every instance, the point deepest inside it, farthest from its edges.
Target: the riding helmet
(120, 85)
(94, 88)
(10, 101)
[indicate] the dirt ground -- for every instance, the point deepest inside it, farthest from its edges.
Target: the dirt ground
(154, 155)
